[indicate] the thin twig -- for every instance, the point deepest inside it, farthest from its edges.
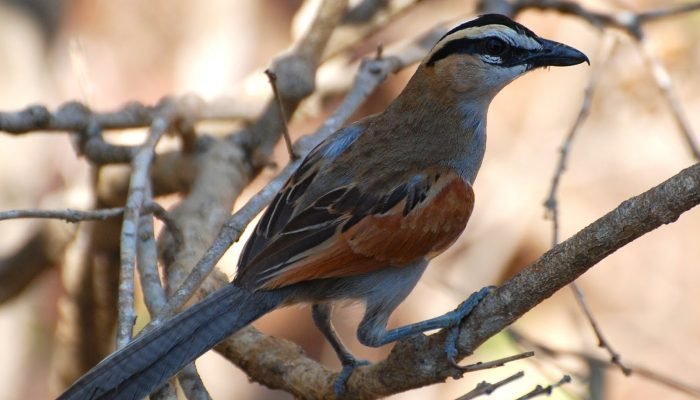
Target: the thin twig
(672, 383)
(147, 263)
(636, 370)
(170, 223)
(547, 390)
(283, 117)
(74, 116)
(632, 24)
(668, 12)
(627, 21)
(602, 341)
(356, 30)
(665, 85)
(151, 286)
(551, 204)
(154, 294)
(495, 363)
(487, 388)
(128, 240)
(75, 216)
(68, 215)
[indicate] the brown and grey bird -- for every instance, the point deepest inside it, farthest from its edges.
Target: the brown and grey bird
(361, 217)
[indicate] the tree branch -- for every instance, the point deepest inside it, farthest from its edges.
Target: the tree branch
(421, 361)
(138, 185)
(488, 388)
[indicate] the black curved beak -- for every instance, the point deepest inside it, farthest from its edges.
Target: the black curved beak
(555, 54)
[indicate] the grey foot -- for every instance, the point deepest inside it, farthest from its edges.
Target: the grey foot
(461, 312)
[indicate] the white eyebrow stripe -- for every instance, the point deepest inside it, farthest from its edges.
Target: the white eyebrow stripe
(494, 30)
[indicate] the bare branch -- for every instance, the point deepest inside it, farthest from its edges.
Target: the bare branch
(495, 363)
(615, 357)
(147, 264)
(170, 223)
(488, 388)
(421, 361)
(668, 12)
(68, 215)
(76, 117)
(280, 106)
(551, 203)
(132, 212)
(547, 390)
(636, 370)
(360, 22)
(562, 264)
(665, 85)
(627, 21)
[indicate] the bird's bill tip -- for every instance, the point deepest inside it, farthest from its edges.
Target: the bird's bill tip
(555, 54)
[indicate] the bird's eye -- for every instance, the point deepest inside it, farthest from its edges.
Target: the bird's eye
(494, 46)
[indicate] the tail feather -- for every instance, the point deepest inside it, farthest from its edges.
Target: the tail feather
(154, 357)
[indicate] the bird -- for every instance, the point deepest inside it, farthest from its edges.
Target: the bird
(360, 218)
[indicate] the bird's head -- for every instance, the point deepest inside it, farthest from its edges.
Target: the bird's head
(483, 55)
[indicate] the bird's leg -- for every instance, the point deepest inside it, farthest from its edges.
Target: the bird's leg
(372, 331)
(321, 313)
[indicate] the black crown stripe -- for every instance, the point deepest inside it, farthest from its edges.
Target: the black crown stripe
(472, 46)
(491, 19)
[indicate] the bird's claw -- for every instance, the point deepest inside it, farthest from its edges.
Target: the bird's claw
(461, 312)
(468, 305)
(339, 386)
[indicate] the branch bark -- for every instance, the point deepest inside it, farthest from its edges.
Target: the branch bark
(421, 361)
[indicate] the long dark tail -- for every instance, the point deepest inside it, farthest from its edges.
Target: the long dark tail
(149, 361)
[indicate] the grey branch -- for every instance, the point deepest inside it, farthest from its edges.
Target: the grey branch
(627, 21)
(421, 361)
(136, 198)
(68, 215)
(487, 388)
(495, 363)
(663, 81)
(76, 117)
(546, 390)
(637, 370)
(551, 204)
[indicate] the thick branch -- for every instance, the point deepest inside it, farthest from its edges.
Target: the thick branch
(562, 264)
(76, 117)
(421, 361)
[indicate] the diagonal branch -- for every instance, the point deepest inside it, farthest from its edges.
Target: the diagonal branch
(562, 264)
(665, 84)
(421, 361)
(485, 388)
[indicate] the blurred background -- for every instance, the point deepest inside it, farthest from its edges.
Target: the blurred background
(645, 297)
